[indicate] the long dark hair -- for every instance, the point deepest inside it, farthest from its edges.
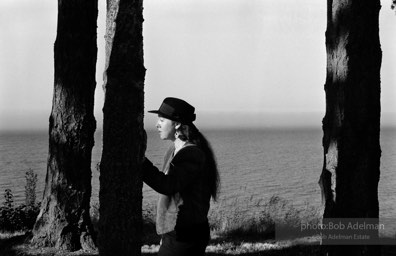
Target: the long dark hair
(190, 133)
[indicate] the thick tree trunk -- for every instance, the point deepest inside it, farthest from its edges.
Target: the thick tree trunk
(64, 220)
(123, 135)
(351, 126)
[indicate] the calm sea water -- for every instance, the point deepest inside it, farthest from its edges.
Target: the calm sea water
(254, 165)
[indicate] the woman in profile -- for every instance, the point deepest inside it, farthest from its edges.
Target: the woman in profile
(188, 180)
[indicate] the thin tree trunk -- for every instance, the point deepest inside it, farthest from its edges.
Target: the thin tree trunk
(64, 220)
(120, 195)
(351, 126)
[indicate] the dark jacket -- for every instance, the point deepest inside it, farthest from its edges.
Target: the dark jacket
(187, 176)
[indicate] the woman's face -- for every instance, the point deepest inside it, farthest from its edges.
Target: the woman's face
(166, 128)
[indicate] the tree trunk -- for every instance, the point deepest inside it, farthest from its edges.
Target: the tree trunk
(64, 220)
(351, 126)
(120, 195)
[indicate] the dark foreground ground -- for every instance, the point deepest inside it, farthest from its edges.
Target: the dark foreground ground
(17, 245)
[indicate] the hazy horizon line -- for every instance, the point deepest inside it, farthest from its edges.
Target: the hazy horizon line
(234, 128)
(207, 120)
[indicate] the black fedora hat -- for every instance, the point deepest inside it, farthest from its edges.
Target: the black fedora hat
(177, 110)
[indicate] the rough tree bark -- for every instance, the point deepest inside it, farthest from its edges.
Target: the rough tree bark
(351, 125)
(64, 220)
(123, 134)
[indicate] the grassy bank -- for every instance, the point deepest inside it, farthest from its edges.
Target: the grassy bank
(239, 231)
(242, 228)
(16, 244)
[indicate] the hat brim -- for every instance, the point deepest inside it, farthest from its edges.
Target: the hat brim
(163, 114)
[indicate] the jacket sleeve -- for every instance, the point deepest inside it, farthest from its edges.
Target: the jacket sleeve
(184, 169)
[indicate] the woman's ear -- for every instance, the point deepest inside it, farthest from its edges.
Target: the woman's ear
(177, 125)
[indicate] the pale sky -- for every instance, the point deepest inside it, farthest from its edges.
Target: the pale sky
(239, 62)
